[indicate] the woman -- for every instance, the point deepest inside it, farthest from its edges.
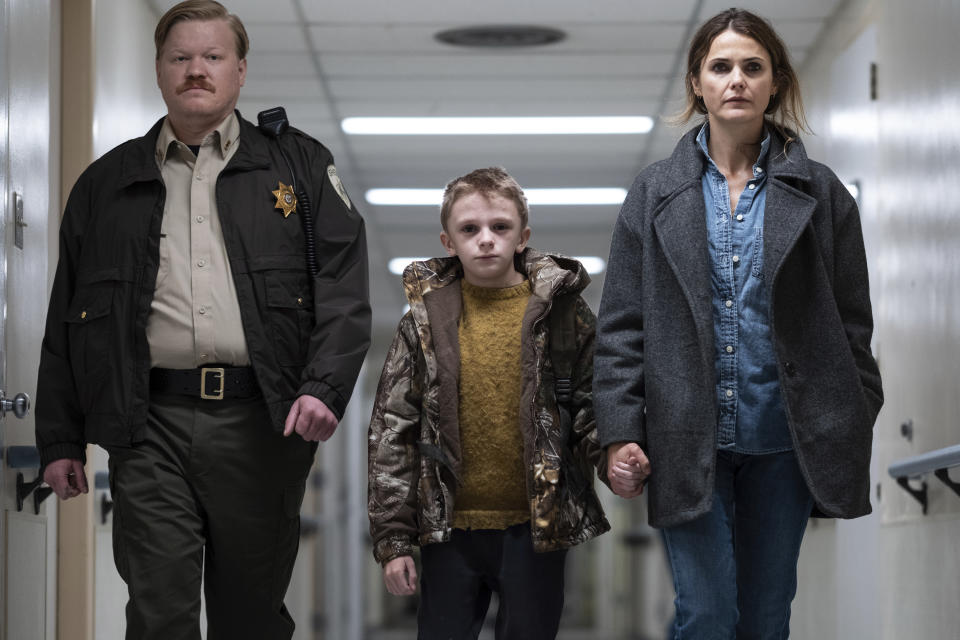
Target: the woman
(733, 371)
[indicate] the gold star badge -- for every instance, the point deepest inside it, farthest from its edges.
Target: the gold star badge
(286, 199)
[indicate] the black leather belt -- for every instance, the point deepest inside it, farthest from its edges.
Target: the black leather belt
(209, 383)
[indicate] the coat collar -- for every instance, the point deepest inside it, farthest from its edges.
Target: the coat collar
(139, 163)
(686, 164)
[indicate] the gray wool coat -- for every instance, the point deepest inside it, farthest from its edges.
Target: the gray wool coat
(654, 373)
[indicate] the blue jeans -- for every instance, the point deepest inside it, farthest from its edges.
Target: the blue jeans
(735, 568)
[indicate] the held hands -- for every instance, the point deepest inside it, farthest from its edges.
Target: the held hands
(311, 419)
(400, 576)
(66, 477)
(627, 469)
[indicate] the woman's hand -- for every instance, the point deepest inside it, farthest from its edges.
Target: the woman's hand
(627, 469)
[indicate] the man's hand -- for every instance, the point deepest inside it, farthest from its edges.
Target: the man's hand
(627, 469)
(400, 576)
(66, 477)
(311, 419)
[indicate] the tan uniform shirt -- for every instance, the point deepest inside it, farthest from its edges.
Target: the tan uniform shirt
(195, 317)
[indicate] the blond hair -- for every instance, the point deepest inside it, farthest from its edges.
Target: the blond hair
(201, 10)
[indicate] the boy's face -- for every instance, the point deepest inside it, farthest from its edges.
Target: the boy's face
(484, 231)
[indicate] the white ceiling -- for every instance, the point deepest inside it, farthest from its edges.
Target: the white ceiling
(324, 61)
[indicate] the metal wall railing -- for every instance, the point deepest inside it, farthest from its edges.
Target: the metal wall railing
(939, 462)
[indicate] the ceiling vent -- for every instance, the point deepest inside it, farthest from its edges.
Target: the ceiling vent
(501, 36)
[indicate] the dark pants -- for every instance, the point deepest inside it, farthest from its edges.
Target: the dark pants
(212, 492)
(458, 577)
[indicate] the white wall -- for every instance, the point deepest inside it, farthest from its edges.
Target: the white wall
(895, 573)
(126, 98)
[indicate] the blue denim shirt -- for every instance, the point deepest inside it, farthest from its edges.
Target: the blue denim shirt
(751, 415)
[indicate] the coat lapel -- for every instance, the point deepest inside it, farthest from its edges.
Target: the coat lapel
(680, 223)
(681, 229)
(787, 214)
(788, 209)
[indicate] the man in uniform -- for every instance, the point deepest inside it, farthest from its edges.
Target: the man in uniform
(187, 337)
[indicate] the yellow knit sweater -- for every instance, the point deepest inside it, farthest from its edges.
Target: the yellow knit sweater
(493, 494)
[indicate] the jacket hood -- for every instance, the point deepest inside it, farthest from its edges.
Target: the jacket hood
(548, 274)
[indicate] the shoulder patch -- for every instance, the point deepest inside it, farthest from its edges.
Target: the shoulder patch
(338, 185)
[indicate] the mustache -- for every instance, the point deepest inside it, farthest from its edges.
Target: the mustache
(199, 83)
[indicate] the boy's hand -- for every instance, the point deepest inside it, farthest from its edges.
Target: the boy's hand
(627, 469)
(400, 576)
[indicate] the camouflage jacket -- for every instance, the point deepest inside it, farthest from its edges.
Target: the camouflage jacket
(414, 440)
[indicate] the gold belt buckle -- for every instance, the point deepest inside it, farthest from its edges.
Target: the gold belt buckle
(214, 395)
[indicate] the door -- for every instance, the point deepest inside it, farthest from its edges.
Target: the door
(29, 58)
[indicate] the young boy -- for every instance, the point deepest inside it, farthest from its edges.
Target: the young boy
(469, 455)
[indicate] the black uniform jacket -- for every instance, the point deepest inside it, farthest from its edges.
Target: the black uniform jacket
(304, 336)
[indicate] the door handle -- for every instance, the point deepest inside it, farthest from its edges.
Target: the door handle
(19, 405)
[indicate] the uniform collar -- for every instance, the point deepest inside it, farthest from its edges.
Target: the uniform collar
(224, 137)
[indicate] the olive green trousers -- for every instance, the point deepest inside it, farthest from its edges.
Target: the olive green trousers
(211, 496)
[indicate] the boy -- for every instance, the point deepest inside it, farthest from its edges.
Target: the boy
(469, 456)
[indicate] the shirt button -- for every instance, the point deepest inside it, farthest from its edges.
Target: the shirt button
(739, 217)
(729, 393)
(202, 310)
(751, 186)
(729, 349)
(200, 218)
(201, 263)
(203, 356)
(736, 259)
(728, 303)
(758, 170)
(200, 177)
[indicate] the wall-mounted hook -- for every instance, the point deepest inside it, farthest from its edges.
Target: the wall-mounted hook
(24, 489)
(906, 430)
(101, 482)
(106, 506)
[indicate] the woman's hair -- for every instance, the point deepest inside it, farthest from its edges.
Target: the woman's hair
(785, 111)
(491, 181)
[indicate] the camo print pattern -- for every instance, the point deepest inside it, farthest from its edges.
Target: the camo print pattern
(413, 444)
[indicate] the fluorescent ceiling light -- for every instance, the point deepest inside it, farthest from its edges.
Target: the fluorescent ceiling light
(433, 197)
(593, 264)
(507, 126)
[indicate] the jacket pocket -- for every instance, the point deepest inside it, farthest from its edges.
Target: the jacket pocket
(90, 330)
(290, 316)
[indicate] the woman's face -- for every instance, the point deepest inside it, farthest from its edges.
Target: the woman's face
(735, 80)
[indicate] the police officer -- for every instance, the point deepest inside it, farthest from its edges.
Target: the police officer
(186, 336)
